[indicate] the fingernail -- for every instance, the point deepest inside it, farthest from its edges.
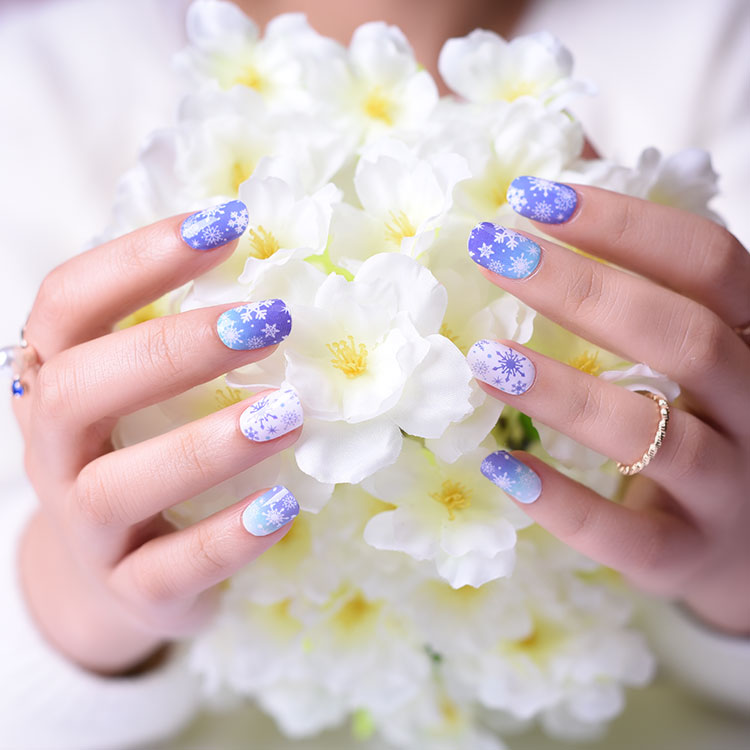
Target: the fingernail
(512, 476)
(272, 416)
(542, 200)
(503, 251)
(501, 367)
(255, 325)
(215, 226)
(270, 511)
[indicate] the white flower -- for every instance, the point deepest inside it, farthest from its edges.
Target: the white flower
(226, 49)
(448, 513)
(685, 180)
(367, 361)
(283, 226)
(378, 87)
(404, 200)
(522, 138)
(483, 68)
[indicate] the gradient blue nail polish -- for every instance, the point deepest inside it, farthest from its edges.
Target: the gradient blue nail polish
(254, 325)
(215, 226)
(503, 251)
(542, 200)
(270, 511)
(512, 476)
(501, 367)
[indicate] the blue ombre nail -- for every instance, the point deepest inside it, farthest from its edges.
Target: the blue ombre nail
(215, 226)
(270, 511)
(254, 325)
(512, 476)
(542, 200)
(503, 251)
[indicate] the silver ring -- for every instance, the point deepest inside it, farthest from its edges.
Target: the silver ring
(15, 360)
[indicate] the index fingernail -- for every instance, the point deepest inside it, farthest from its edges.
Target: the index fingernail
(503, 251)
(215, 226)
(512, 476)
(270, 511)
(542, 200)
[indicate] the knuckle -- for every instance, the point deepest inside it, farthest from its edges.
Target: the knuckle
(51, 393)
(54, 299)
(205, 554)
(586, 408)
(191, 452)
(578, 523)
(653, 553)
(93, 499)
(583, 296)
(151, 587)
(157, 349)
(624, 224)
(689, 454)
(702, 345)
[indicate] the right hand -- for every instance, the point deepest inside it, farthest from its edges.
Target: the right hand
(108, 580)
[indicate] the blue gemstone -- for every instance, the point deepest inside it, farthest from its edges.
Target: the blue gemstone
(17, 388)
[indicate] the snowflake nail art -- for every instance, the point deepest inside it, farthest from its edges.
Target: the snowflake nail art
(501, 367)
(512, 476)
(503, 251)
(542, 200)
(272, 416)
(270, 511)
(215, 226)
(255, 324)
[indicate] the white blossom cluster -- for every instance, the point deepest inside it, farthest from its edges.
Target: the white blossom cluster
(411, 596)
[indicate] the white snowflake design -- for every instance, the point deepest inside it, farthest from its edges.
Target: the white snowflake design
(501, 367)
(272, 416)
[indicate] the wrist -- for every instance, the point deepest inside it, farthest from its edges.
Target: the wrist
(75, 614)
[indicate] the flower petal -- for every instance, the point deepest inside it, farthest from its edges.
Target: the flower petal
(333, 452)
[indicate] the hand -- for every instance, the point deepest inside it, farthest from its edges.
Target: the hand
(107, 579)
(682, 529)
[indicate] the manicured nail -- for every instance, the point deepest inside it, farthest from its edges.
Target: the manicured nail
(542, 200)
(503, 251)
(501, 367)
(270, 511)
(272, 416)
(255, 324)
(215, 226)
(512, 476)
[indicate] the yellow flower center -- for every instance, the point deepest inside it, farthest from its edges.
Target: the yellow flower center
(513, 90)
(240, 170)
(264, 243)
(250, 77)
(348, 358)
(587, 362)
(228, 396)
(398, 227)
(454, 496)
(378, 106)
(447, 331)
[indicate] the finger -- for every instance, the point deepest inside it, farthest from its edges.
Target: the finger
(85, 296)
(165, 575)
(120, 489)
(611, 420)
(655, 550)
(152, 361)
(625, 314)
(687, 253)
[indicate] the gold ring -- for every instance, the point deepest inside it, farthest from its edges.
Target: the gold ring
(661, 430)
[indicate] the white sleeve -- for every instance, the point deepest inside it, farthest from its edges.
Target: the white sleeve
(714, 665)
(48, 702)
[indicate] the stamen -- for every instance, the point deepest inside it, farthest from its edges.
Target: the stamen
(347, 358)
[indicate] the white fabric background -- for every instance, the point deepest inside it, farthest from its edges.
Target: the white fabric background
(83, 81)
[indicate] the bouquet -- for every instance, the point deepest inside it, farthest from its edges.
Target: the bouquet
(411, 596)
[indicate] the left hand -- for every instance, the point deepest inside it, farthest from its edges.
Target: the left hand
(683, 527)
